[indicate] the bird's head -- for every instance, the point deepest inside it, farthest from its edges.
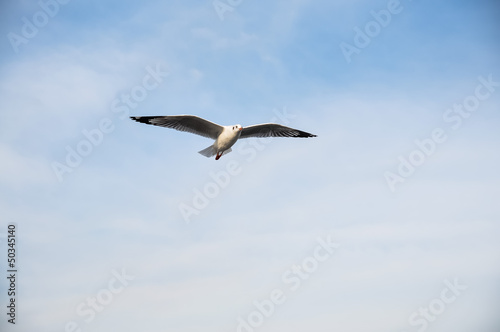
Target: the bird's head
(237, 127)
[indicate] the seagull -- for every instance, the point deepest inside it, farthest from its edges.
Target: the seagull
(224, 136)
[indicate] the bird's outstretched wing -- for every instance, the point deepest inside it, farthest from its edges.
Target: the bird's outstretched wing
(188, 123)
(272, 130)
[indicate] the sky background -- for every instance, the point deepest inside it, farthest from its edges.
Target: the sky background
(119, 210)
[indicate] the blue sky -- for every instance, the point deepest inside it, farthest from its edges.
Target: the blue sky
(268, 205)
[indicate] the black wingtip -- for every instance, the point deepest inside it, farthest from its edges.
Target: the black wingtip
(306, 135)
(142, 119)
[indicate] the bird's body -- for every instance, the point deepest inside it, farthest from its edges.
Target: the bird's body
(225, 136)
(224, 142)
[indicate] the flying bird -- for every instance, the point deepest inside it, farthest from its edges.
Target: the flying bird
(224, 136)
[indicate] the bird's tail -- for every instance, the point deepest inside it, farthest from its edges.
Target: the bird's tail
(212, 151)
(208, 152)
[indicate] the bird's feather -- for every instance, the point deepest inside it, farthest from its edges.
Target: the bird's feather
(187, 123)
(272, 130)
